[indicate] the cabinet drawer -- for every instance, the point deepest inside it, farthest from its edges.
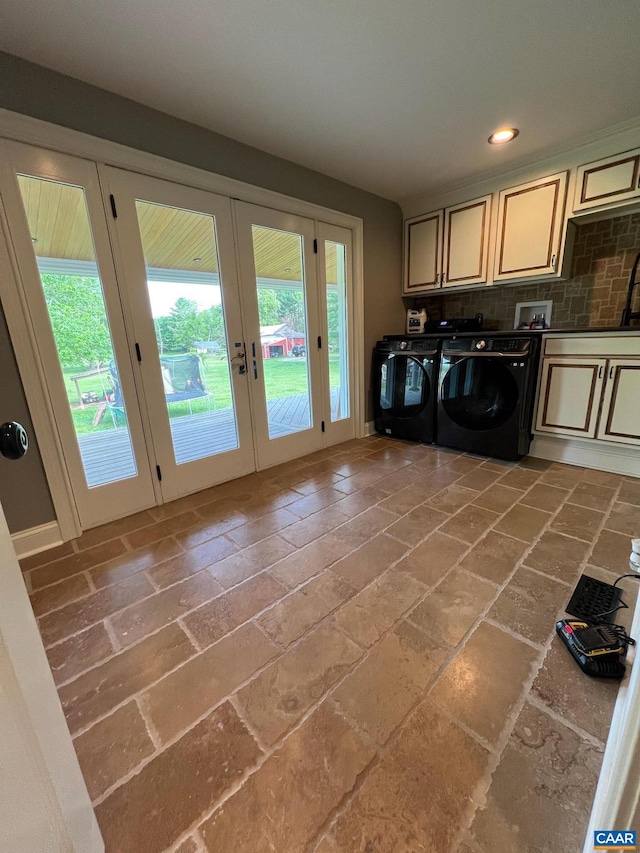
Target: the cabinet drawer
(621, 344)
(608, 181)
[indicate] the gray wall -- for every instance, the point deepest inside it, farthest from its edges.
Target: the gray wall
(36, 91)
(23, 487)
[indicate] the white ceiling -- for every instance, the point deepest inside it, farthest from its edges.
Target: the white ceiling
(395, 96)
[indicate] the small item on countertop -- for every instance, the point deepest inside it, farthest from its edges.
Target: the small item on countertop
(538, 322)
(416, 321)
(634, 557)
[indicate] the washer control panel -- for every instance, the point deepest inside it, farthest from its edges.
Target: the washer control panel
(501, 345)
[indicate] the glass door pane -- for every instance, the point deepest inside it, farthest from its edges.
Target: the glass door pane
(283, 329)
(280, 303)
(187, 306)
(337, 328)
(336, 299)
(177, 255)
(63, 245)
(98, 452)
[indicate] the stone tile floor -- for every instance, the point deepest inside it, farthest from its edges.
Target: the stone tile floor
(351, 652)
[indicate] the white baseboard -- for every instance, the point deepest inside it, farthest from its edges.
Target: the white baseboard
(616, 458)
(36, 539)
(369, 429)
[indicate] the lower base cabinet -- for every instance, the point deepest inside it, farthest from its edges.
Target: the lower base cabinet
(587, 392)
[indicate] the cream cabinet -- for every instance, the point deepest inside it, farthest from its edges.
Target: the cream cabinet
(590, 387)
(447, 248)
(423, 252)
(620, 417)
(466, 242)
(570, 391)
(530, 228)
(608, 181)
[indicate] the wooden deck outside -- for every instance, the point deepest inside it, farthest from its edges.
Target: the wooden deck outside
(107, 455)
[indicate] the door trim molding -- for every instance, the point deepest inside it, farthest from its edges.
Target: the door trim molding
(36, 539)
(42, 134)
(25, 349)
(618, 792)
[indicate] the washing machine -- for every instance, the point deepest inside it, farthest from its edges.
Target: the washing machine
(486, 392)
(405, 377)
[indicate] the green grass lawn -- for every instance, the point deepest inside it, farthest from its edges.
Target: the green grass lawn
(283, 377)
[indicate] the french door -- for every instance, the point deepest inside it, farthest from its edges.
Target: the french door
(183, 338)
(60, 237)
(175, 258)
(281, 314)
(296, 292)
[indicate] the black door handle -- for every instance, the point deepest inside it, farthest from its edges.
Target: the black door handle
(14, 441)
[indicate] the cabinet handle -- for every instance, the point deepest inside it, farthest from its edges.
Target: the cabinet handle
(611, 372)
(600, 372)
(553, 262)
(437, 278)
(444, 278)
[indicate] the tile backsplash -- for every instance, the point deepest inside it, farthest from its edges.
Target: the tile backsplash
(594, 295)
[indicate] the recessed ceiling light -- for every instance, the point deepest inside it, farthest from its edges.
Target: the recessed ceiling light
(197, 260)
(34, 239)
(503, 134)
(287, 269)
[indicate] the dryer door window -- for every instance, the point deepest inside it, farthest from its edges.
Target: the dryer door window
(405, 386)
(479, 393)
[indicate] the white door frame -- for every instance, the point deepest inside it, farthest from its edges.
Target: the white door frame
(21, 128)
(617, 796)
(35, 387)
(272, 451)
(346, 428)
(45, 804)
(126, 187)
(103, 503)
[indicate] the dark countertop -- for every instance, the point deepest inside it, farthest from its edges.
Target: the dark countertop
(517, 332)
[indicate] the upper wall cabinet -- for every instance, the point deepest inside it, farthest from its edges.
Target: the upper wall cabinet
(466, 242)
(423, 252)
(530, 227)
(608, 181)
(447, 248)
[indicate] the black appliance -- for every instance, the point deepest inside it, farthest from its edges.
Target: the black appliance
(457, 324)
(405, 375)
(485, 394)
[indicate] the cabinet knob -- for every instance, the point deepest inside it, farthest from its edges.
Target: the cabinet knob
(553, 262)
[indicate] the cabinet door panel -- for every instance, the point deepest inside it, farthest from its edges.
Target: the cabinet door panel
(606, 181)
(570, 396)
(530, 219)
(424, 248)
(466, 238)
(620, 420)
